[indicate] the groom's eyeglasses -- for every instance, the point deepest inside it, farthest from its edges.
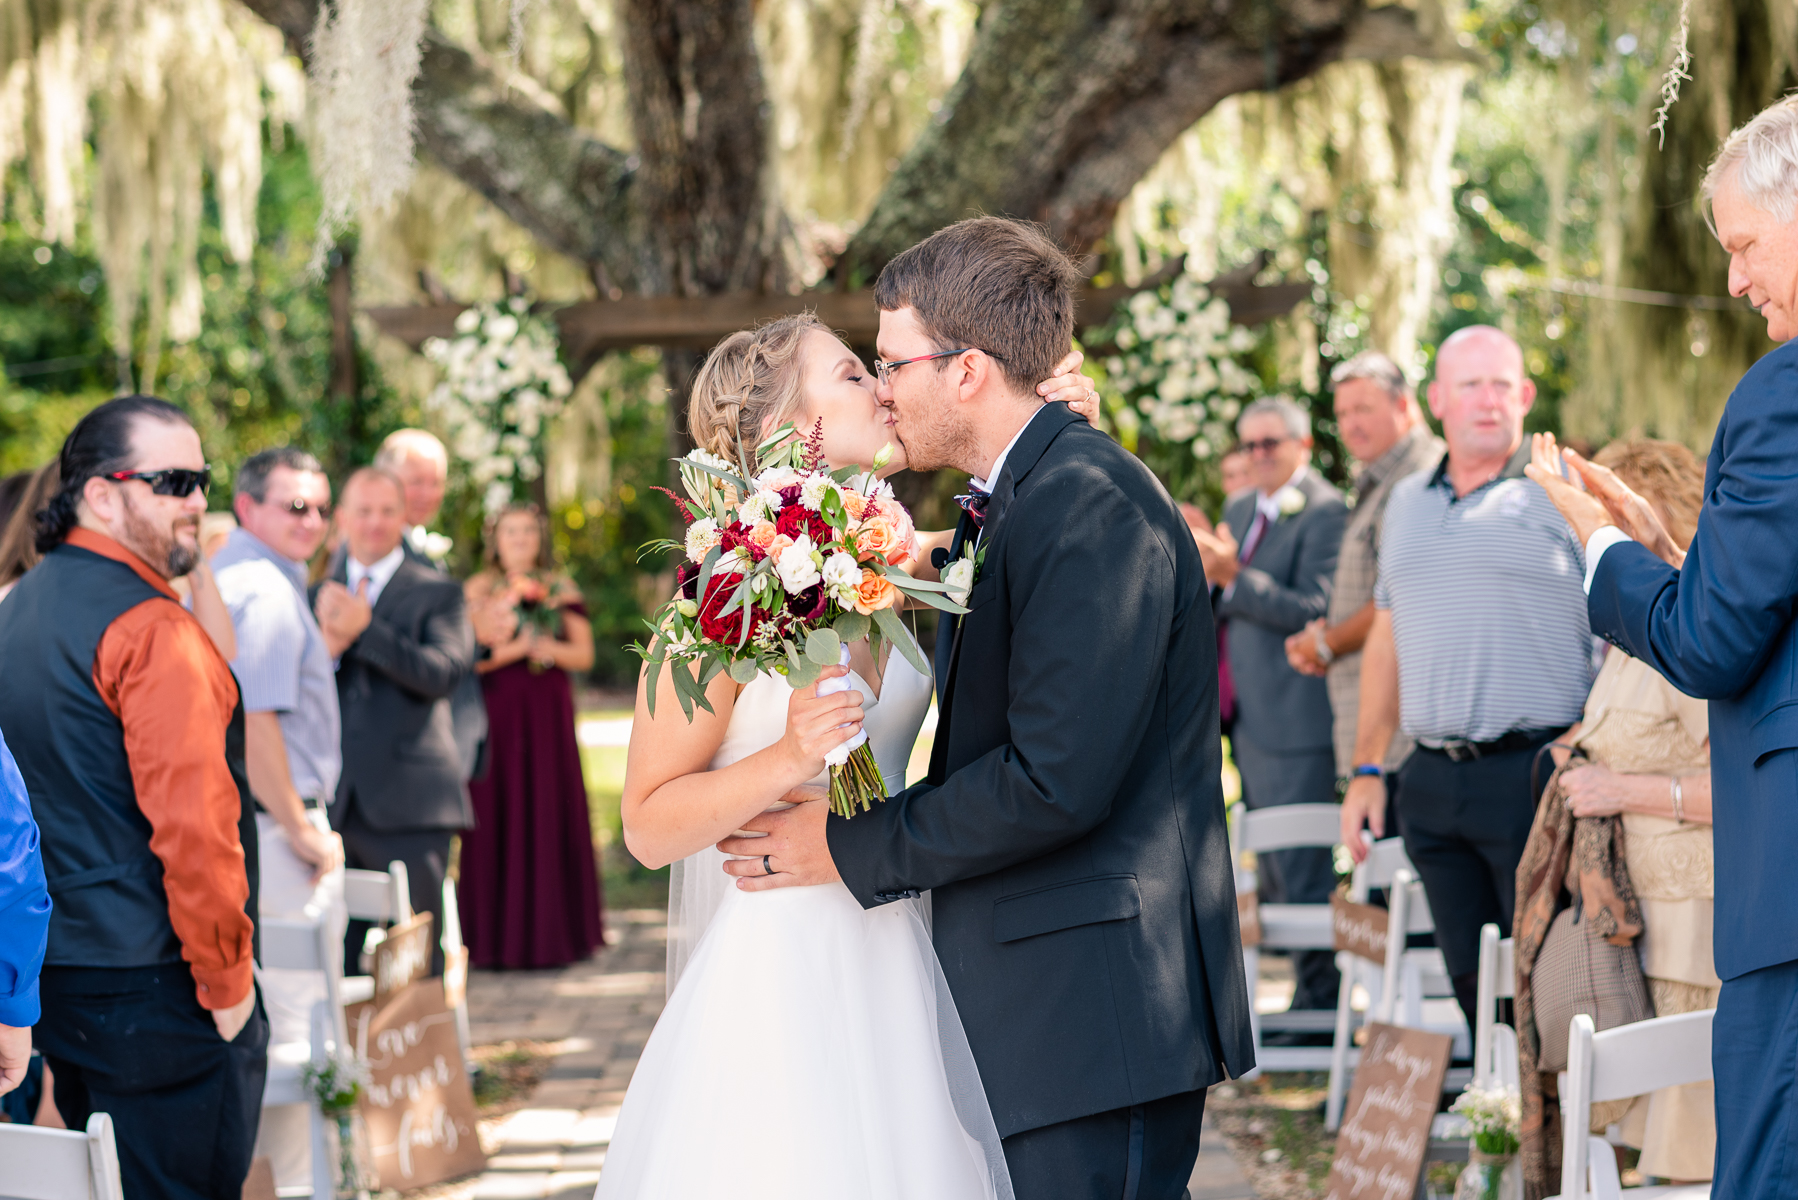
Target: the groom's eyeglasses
(883, 371)
(176, 481)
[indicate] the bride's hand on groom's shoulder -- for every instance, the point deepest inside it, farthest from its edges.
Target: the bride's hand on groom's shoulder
(791, 851)
(1075, 390)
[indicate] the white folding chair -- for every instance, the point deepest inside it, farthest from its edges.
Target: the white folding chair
(1411, 988)
(452, 946)
(60, 1164)
(1494, 1043)
(314, 945)
(1287, 926)
(1631, 1060)
(382, 896)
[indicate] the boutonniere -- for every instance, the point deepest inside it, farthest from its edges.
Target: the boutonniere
(1290, 501)
(961, 575)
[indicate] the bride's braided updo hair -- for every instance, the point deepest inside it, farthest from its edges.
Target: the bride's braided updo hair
(749, 384)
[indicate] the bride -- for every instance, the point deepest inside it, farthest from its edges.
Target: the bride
(809, 1049)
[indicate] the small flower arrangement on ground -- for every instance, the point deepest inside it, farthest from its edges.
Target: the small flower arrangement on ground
(503, 383)
(1494, 1117)
(338, 1085)
(787, 563)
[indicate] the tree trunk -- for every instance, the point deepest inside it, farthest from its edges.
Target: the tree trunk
(1063, 106)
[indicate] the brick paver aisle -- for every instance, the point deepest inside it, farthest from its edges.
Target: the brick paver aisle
(597, 1014)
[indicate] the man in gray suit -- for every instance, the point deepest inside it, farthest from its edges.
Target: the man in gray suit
(1268, 586)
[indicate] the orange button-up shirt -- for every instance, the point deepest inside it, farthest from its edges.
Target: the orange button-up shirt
(165, 681)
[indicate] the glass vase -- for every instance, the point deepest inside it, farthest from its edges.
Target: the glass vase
(1489, 1177)
(346, 1137)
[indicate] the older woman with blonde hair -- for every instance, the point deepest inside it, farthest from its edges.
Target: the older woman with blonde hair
(1648, 764)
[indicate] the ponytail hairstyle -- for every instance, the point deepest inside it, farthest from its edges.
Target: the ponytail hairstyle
(749, 384)
(99, 444)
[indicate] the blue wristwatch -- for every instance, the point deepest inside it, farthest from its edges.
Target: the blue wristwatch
(1374, 769)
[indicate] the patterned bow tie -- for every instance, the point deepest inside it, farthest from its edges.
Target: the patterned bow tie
(974, 504)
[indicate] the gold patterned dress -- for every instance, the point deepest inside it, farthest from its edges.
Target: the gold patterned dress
(1638, 723)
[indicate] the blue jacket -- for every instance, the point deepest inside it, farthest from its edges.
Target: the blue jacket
(24, 902)
(1721, 629)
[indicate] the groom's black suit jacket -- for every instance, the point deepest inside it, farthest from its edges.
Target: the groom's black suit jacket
(1072, 826)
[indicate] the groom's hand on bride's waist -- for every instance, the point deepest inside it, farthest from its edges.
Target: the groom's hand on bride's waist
(793, 849)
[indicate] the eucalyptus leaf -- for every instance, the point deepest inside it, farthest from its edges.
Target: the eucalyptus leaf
(824, 647)
(893, 629)
(649, 688)
(730, 477)
(805, 674)
(851, 626)
(935, 601)
(743, 670)
(777, 437)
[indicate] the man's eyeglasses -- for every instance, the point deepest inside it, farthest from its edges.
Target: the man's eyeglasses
(883, 371)
(299, 508)
(175, 481)
(1265, 445)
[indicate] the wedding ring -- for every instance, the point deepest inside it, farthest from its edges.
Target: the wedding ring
(766, 869)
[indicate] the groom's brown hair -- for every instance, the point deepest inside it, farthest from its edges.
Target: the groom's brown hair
(993, 284)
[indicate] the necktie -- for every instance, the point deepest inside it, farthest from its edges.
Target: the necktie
(1252, 543)
(974, 504)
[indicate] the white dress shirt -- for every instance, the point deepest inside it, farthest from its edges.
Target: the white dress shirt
(1602, 539)
(377, 573)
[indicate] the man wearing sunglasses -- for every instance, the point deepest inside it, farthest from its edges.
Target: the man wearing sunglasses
(128, 731)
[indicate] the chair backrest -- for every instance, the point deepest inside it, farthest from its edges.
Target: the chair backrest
(1407, 912)
(1385, 858)
(1290, 826)
(1630, 1060)
(378, 895)
(1494, 1053)
(60, 1164)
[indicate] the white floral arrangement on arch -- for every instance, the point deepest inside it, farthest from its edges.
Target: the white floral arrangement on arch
(1185, 374)
(503, 384)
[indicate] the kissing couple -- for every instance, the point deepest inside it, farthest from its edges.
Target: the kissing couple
(1017, 977)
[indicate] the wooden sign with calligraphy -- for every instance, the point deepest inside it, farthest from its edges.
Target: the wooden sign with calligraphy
(1358, 928)
(1386, 1126)
(418, 1105)
(404, 955)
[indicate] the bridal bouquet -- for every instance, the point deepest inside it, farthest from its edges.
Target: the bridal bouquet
(787, 563)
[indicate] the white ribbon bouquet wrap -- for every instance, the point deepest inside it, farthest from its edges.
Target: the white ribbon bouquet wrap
(831, 687)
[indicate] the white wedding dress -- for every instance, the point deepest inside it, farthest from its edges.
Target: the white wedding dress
(809, 1049)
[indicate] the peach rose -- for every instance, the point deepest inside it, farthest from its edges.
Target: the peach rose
(777, 543)
(875, 591)
(876, 535)
(762, 534)
(854, 503)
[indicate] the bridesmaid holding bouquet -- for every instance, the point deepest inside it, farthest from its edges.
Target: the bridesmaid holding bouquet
(529, 891)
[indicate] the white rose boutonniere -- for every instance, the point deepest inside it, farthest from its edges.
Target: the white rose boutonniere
(1290, 501)
(958, 577)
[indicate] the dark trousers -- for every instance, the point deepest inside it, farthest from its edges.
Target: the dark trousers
(426, 855)
(134, 1042)
(1465, 824)
(1144, 1152)
(1304, 876)
(1754, 1053)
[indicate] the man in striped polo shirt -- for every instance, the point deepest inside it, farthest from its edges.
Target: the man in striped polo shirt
(1480, 650)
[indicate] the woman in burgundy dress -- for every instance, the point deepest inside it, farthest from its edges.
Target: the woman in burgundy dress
(529, 892)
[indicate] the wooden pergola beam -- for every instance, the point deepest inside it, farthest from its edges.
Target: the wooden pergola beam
(592, 327)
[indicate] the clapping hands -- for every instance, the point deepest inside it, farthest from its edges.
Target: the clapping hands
(342, 614)
(1594, 497)
(1218, 551)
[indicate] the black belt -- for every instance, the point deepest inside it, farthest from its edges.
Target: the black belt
(1461, 750)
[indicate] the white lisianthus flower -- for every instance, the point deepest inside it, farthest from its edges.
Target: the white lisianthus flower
(813, 491)
(702, 535)
(958, 577)
(687, 608)
(798, 565)
(775, 478)
(842, 574)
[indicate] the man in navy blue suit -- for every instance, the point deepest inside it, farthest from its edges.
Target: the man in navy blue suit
(1718, 622)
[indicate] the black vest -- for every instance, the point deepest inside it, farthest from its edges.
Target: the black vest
(109, 906)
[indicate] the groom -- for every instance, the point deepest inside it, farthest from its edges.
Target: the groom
(1071, 831)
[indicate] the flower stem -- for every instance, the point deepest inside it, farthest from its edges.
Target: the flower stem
(857, 784)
